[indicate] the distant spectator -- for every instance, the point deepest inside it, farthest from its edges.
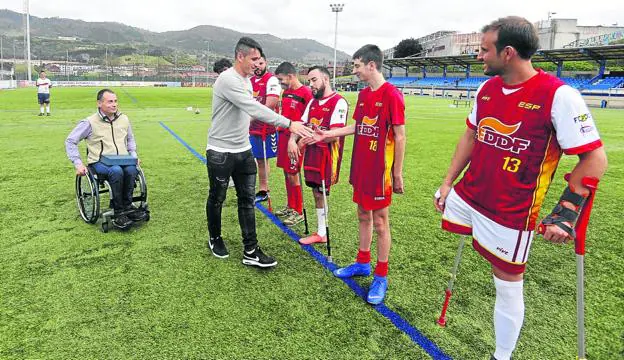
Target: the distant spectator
(43, 85)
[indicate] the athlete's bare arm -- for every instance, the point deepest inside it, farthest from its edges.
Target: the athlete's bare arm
(461, 158)
(399, 154)
(271, 102)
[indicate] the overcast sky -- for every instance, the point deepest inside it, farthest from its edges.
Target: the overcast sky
(381, 22)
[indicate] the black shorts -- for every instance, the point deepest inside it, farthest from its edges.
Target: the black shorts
(318, 187)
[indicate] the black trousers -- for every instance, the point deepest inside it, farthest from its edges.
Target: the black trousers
(242, 168)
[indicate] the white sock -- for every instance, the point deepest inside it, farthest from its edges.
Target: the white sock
(48, 108)
(41, 109)
(508, 316)
(320, 216)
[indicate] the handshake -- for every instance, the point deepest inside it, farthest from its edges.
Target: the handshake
(296, 146)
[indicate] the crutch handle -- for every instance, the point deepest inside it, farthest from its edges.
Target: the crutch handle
(580, 228)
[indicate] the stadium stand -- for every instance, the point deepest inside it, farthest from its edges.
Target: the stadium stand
(402, 81)
(606, 83)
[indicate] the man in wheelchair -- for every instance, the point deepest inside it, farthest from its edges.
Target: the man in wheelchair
(108, 132)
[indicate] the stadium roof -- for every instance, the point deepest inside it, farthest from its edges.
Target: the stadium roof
(595, 53)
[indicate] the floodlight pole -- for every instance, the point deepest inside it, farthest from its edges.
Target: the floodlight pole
(1, 58)
(27, 5)
(335, 8)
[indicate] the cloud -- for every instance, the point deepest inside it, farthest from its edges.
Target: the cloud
(384, 23)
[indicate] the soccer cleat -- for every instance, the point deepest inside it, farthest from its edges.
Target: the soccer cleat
(294, 219)
(355, 269)
(493, 358)
(217, 246)
(286, 211)
(122, 222)
(313, 239)
(48, 114)
(40, 114)
(377, 290)
(262, 196)
(256, 257)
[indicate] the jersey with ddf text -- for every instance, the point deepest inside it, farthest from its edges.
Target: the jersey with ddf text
(373, 146)
(294, 103)
(521, 131)
(326, 113)
(263, 87)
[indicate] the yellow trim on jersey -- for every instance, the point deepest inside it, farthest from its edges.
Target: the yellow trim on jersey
(389, 161)
(547, 168)
(334, 152)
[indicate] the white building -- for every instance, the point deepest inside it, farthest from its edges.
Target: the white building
(553, 34)
(565, 33)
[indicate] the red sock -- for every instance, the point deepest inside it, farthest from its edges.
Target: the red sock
(289, 195)
(298, 199)
(381, 269)
(363, 257)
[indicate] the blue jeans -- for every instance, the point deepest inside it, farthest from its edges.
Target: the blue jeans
(242, 168)
(121, 180)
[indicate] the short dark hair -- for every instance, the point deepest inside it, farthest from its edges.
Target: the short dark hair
(286, 68)
(101, 93)
(516, 32)
(221, 65)
(42, 71)
(368, 53)
(245, 44)
(320, 68)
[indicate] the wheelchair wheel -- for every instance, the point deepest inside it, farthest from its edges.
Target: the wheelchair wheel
(88, 198)
(139, 196)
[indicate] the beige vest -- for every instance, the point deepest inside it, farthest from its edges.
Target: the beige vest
(107, 138)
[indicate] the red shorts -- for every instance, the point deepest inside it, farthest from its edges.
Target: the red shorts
(369, 203)
(283, 161)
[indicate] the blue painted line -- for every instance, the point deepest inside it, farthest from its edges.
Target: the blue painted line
(189, 148)
(431, 348)
(134, 100)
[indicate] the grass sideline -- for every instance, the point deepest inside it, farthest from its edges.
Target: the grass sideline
(69, 291)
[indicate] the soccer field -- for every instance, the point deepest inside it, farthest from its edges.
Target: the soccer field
(69, 291)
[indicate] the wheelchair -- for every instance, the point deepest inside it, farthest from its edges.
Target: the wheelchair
(89, 190)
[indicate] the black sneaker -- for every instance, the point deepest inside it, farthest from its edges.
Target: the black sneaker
(48, 114)
(122, 222)
(135, 213)
(262, 196)
(256, 257)
(217, 246)
(40, 114)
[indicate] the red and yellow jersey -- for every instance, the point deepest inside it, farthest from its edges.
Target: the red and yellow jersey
(373, 146)
(263, 87)
(326, 113)
(294, 103)
(521, 131)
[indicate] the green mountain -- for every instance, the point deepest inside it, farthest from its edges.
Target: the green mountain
(53, 38)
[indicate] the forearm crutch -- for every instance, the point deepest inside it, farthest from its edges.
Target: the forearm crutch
(325, 204)
(266, 167)
(449, 288)
(305, 215)
(321, 171)
(580, 228)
